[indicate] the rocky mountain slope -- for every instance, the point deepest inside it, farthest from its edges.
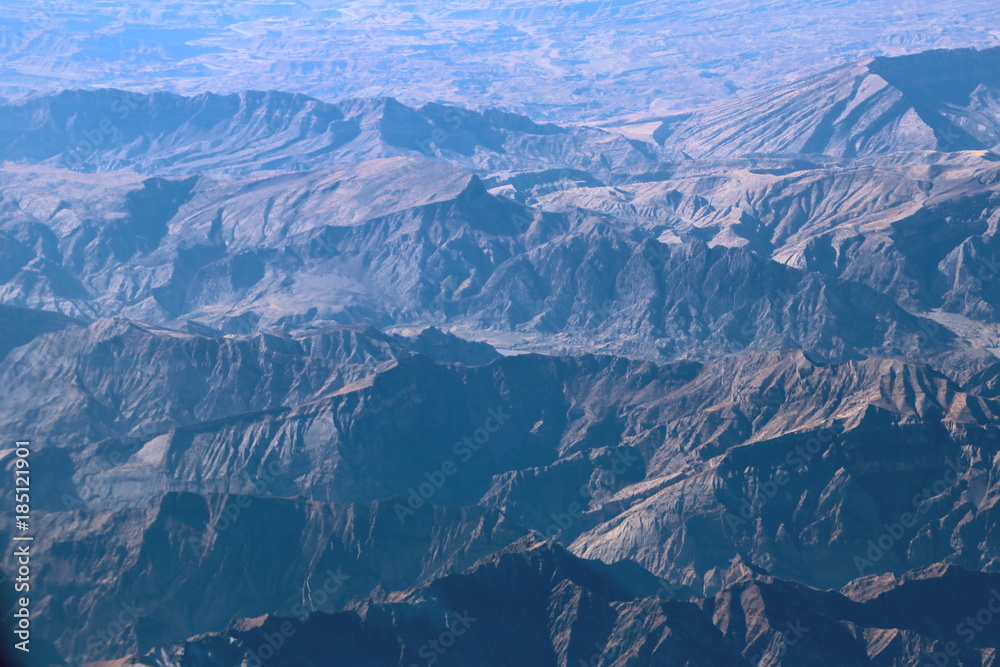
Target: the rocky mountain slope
(577, 611)
(253, 132)
(181, 565)
(437, 248)
(797, 466)
(329, 380)
(19, 326)
(936, 100)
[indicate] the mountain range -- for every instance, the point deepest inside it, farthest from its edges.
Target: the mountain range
(372, 383)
